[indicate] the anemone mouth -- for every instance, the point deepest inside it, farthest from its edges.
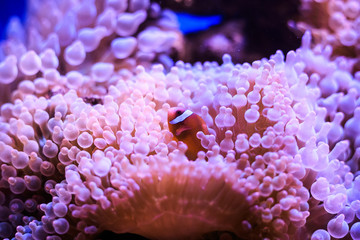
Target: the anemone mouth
(175, 195)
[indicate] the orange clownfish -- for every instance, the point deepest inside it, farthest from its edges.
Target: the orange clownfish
(184, 124)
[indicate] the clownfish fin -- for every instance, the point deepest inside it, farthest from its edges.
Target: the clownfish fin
(181, 130)
(204, 128)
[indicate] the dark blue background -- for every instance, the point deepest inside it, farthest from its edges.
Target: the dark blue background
(9, 8)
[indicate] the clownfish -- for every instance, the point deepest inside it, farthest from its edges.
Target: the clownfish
(184, 124)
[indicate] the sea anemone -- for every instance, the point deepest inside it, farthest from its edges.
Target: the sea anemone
(74, 35)
(333, 22)
(88, 150)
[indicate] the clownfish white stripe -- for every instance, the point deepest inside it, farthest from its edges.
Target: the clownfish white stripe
(182, 117)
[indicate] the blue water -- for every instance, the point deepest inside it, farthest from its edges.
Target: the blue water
(194, 23)
(9, 8)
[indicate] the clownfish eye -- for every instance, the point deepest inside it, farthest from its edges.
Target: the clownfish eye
(178, 112)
